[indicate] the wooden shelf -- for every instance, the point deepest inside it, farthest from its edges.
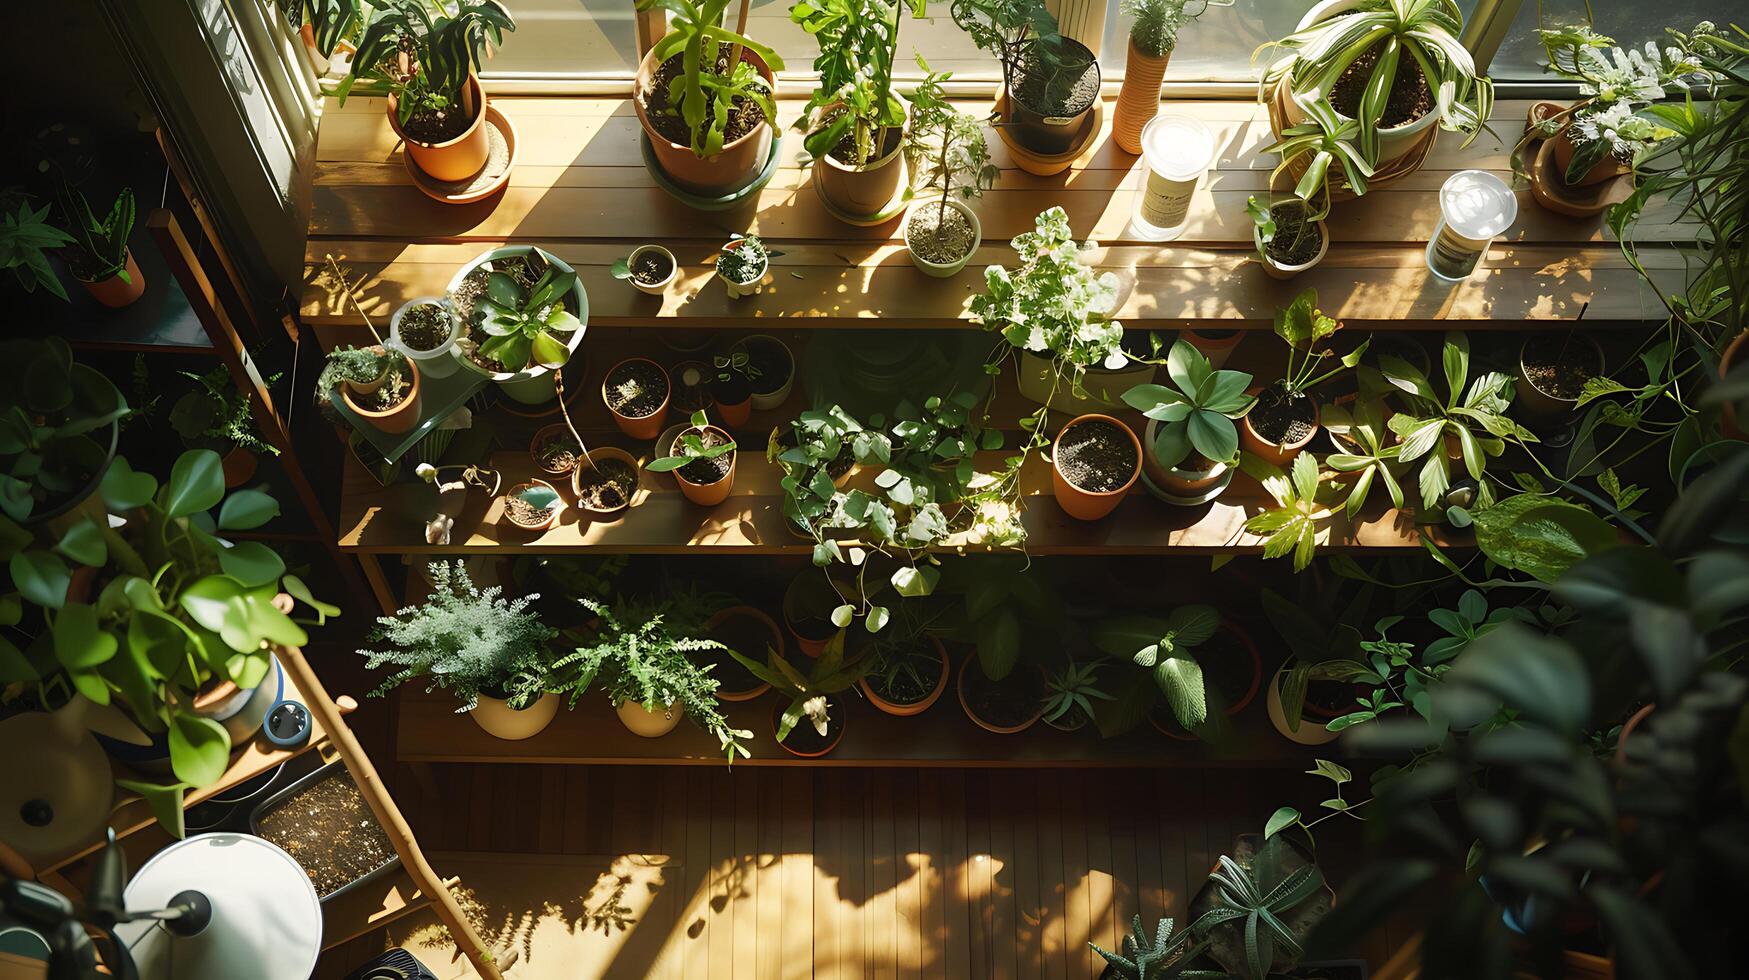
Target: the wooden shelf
(428, 729)
(390, 520)
(580, 189)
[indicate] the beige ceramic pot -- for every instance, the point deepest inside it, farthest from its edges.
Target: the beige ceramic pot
(640, 720)
(502, 721)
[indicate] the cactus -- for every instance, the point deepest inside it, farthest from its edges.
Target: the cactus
(1165, 957)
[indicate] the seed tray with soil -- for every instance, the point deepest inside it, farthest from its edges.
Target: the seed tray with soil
(1411, 96)
(329, 830)
(1013, 700)
(424, 327)
(769, 364)
(939, 234)
(557, 452)
(744, 114)
(1295, 242)
(1096, 456)
(1559, 366)
(607, 486)
(804, 738)
(523, 513)
(1052, 89)
(651, 267)
(1283, 419)
(704, 472)
(636, 389)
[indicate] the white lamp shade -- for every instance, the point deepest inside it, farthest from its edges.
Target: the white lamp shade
(266, 922)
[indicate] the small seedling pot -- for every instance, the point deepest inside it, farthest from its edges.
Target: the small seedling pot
(541, 436)
(640, 720)
(437, 362)
(645, 426)
(834, 710)
(937, 269)
(738, 289)
(917, 707)
(1277, 454)
(1091, 505)
(1280, 270)
(586, 465)
(654, 289)
(706, 494)
(401, 418)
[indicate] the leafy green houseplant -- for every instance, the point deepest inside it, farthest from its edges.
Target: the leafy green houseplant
(1050, 82)
(425, 53)
(1394, 66)
(811, 695)
(704, 95)
(1166, 646)
(853, 108)
(25, 240)
(647, 667)
(1371, 452)
(469, 641)
(325, 22)
(1290, 232)
(1468, 424)
(1164, 957)
(742, 262)
(1192, 438)
(215, 415)
(149, 606)
(528, 324)
(1285, 418)
(950, 166)
(1070, 693)
(1302, 502)
(57, 429)
(99, 250)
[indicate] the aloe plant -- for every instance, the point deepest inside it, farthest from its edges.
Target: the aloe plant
(524, 322)
(1262, 910)
(1165, 957)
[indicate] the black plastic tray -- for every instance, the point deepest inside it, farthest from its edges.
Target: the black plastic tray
(303, 783)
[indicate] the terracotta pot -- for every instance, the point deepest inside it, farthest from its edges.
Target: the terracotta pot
(865, 190)
(540, 437)
(1139, 99)
(645, 426)
(809, 646)
(1607, 168)
(833, 709)
(585, 465)
(706, 494)
(1728, 412)
(1216, 348)
(1279, 270)
(511, 724)
(1177, 481)
(969, 664)
(402, 418)
(907, 710)
(735, 415)
(552, 516)
(1088, 505)
(640, 720)
(113, 292)
(239, 465)
(1278, 454)
(1534, 400)
(936, 269)
(740, 161)
(455, 159)
(722, 616)
(1312, 732)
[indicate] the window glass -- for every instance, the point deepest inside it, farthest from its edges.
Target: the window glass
(1631, 24)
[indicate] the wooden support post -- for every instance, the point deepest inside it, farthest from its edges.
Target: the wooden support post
(651, 25)
(371, 787)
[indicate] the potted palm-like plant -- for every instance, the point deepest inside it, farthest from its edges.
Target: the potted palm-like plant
(1285, 418)
(523, 313)
(426, 56)
(855, 122)
(704, 95)
(815, 696)
(99, 256)
(1191, 442)
(950, 165)
(1319, 155)
(1069, 696)
(1396, 67)
(1153, 35)
(648, 675)
(491, 653)
(1050, 83)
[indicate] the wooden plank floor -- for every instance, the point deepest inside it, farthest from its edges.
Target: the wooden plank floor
(625, 872)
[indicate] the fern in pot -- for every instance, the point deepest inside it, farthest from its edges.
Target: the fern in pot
(492, 653)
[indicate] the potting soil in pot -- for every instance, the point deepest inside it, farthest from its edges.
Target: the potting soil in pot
(636, 389)
(1096, 456)
(1411, 98)
(330, 831)
(805, 738)
(744, 115)
(705, 472)
(1557, 365)
(651, 267)
(939, 234)
(845, 151)
(916, 676)
(1290, 246)
(424, 327)
(1054, 90)
(608, 485)
(557, 452)
(1013, 700)
(522, 512)
(1282, 420)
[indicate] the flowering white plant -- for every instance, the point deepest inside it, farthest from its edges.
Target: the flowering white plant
(1052, 302)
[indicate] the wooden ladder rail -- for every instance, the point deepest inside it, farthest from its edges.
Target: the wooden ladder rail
(370, 786)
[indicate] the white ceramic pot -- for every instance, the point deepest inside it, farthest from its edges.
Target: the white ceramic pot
(532, 385)
(1312, 731)
(938, 270)
(772, 399)
(738, 289)
(505, 722)
(650, 724)
(1393, 142)
(438, 362)
(673, 270)
(1279, 271)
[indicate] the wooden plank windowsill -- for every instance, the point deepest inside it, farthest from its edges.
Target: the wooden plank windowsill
(580, 189)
